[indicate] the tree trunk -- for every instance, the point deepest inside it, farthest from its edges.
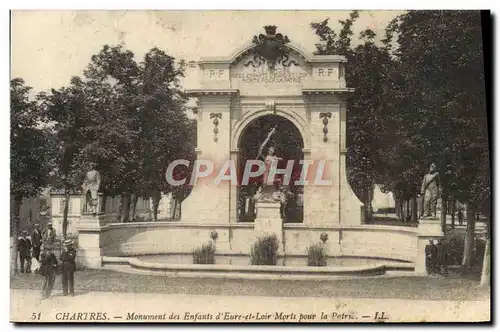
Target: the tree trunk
(414, 210)
(120, 209)
(65, 214)
(174, 210)
(408, 211)
(468, 259)
(18, 201)
(156, 203)
(133, 207)
(125, 208)
(485, 272)
(444, 207)
(452, 214)
(398, 208)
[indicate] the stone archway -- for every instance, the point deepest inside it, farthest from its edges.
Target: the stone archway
(288, 144)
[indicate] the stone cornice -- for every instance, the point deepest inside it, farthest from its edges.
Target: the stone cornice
(212, 92)
(327, 91)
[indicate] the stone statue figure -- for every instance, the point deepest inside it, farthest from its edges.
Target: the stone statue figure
(90, 187)
(430, 192)
(266, 192)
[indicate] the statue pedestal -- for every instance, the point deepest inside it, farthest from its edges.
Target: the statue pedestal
(268, 222)
(89, 240)
(429, 229)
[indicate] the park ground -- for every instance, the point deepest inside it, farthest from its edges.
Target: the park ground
(402, 298)
(455, 287)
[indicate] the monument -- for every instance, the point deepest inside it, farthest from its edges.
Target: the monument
(90, 187)
(273, 77)
(268, 197)
(430, 192)
(429, 225)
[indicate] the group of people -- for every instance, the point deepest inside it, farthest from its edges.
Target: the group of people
(36, 256)
(436, 259)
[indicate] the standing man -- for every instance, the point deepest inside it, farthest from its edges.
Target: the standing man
(48, 269)
(428, 258)
(442, 257)
(49, 235)
(24, 248)
(36, 241)
(68, 264)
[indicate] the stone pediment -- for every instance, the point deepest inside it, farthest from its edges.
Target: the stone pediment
(271, 65)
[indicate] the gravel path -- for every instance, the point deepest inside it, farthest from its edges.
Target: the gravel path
(453, 288)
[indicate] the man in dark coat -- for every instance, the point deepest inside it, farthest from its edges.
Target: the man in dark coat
(24, 248)
(442, 254)
(49, 235)
(48, 270)
(68, 256)
(36, 241)
(429, 264)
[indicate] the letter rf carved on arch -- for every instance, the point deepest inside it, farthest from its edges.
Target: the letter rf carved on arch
(325, 116)
(216, 117)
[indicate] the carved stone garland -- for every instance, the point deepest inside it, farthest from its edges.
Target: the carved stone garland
(216, 117)
(325, 116)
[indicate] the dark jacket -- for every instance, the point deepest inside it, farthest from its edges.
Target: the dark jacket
(431, 253)
(442, 254)
(48, 264)
(36, 238)
(24, 247)
(49, 235)
(68, 260)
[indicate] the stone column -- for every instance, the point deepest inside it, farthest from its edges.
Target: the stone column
(429, 229)
(321, 202)
(209, 202)
(268, 222)
(89, 240)
(233, 190)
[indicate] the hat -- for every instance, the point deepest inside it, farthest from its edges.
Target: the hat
(24, 233)
(67, 242)
(37, 224)
(49, 224)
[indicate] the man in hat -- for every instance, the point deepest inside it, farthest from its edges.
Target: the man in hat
(36, 241)
(68, 256)
(429, 253)
(48, 269)
(442, 257)
(24, 248)
(49, 235)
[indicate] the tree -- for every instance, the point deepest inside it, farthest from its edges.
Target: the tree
(66, 110)
(31, 152)
(368, 70)
(109, 136)
(438, 50)
(135, 124)
(166, 132)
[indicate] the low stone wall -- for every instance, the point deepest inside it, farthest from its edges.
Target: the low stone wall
(130, 239)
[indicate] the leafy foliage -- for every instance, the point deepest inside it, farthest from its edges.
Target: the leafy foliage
(316, 255)
(421, 95)
(31, 152)
(265, 251)
(205, 254)
(127, 118)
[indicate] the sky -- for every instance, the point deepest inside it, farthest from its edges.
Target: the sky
(48, 47)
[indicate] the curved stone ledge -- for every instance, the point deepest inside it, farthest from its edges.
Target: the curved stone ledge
(247, 271)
